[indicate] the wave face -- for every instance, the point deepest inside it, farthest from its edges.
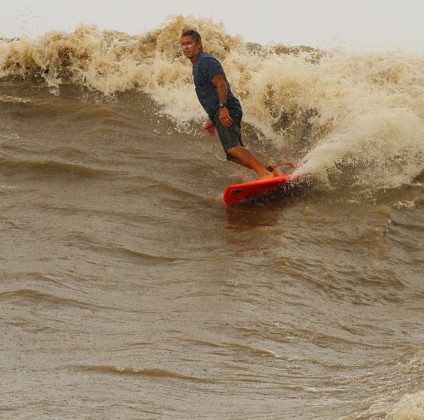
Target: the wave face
(127, 288)
(358, 117)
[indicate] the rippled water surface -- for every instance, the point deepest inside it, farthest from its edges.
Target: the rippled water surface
(129, 290)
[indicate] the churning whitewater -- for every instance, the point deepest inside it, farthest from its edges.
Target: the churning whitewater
(128, 289)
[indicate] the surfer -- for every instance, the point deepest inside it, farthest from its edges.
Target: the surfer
(223, 108)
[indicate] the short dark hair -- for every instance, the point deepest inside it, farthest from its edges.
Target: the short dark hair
(191, 32)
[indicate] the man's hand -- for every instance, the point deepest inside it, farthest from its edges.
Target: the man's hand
(209, 127)
(225, 117)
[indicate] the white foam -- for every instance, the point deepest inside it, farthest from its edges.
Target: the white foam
(348, 114)
(410, 407)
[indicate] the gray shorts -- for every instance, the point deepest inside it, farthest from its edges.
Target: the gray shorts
(229, 136)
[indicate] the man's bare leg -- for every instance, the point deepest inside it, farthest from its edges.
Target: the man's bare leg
(244, 157)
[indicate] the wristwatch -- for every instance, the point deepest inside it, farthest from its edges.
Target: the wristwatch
(222, 104)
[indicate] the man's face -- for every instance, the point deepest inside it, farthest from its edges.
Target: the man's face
(189, 47)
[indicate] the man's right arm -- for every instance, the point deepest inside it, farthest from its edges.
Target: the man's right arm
(209, 126)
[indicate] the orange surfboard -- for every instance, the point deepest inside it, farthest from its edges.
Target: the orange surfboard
(255, 189)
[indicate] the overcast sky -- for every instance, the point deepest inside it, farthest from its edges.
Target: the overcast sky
(375, 24)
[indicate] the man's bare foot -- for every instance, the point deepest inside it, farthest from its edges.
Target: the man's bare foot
(265, 175)
(268, 174)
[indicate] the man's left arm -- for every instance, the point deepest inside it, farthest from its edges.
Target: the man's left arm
(221, 88)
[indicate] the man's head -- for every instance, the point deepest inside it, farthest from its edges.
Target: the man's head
(191, 43)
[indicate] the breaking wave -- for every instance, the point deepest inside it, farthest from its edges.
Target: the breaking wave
(350, 116)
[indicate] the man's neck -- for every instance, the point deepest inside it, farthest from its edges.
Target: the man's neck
(193, 59)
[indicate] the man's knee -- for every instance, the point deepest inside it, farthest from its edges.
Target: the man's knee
(233, 153)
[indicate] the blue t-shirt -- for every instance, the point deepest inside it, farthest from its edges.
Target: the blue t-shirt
(205, 69)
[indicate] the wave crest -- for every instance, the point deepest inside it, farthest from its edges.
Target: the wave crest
(342, 114)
